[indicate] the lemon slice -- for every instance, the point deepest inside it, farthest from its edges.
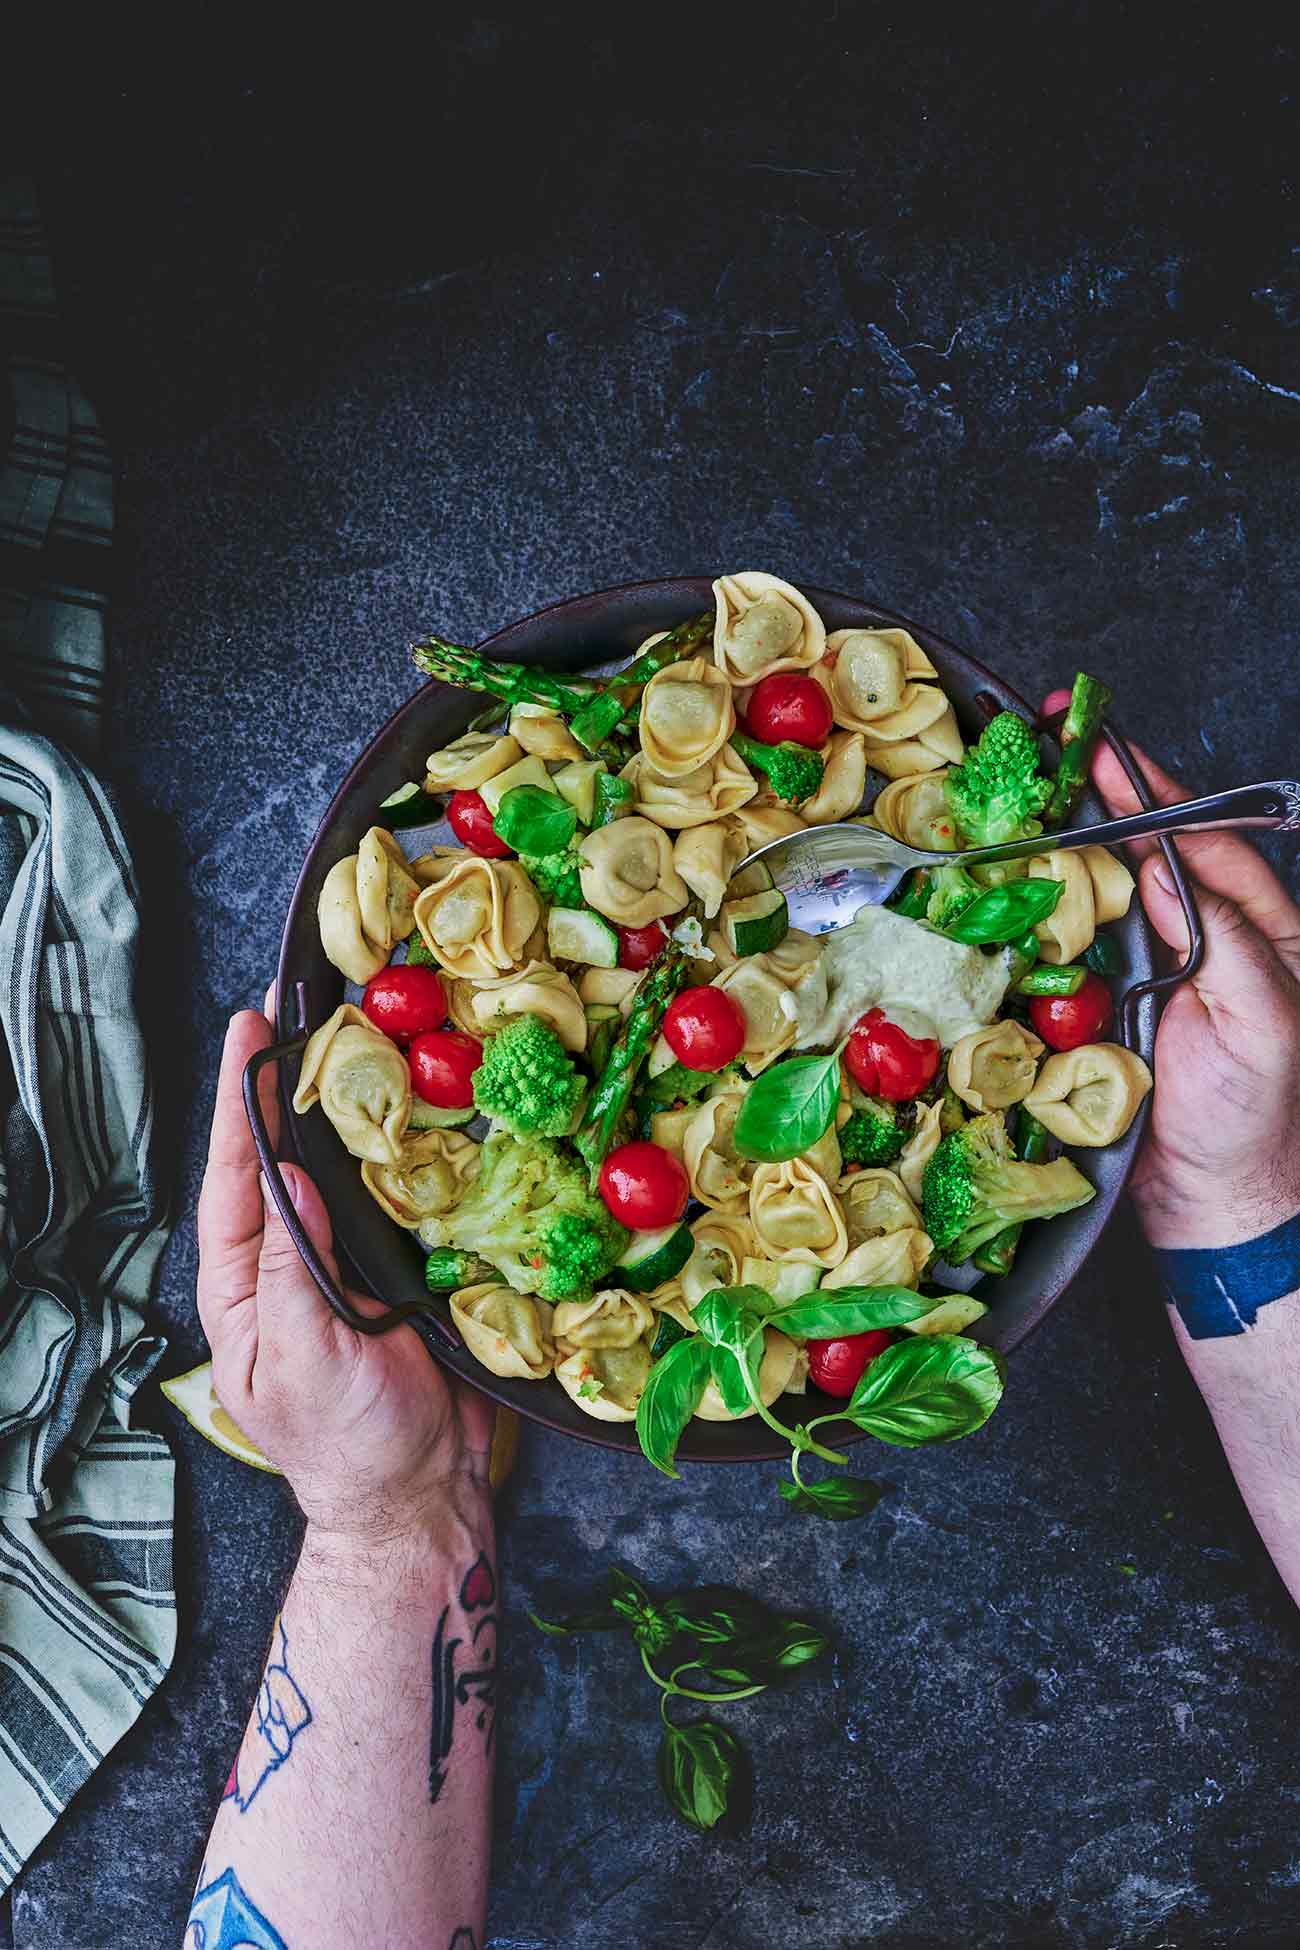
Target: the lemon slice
(192, 1393)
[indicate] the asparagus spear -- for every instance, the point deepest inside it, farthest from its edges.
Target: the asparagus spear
(1089, 701)
(613, 1087)
(619, 694)
(512, 683)
(1031, 1145)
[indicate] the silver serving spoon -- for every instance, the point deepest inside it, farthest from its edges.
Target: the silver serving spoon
(828, 872)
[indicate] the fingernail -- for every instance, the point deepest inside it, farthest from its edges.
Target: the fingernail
(1164, 879)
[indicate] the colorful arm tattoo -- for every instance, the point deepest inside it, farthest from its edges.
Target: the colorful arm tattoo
(279, 1717)
(472, 1680)
(222, 1918)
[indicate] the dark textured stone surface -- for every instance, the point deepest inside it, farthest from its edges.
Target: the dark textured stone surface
(1004, 335)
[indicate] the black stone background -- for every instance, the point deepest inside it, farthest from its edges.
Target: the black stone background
(992, 315)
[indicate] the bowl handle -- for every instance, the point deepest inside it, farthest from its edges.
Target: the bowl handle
(311, 1259)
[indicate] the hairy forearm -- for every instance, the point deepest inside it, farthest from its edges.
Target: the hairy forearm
(1251, 1385)
(358, 1807)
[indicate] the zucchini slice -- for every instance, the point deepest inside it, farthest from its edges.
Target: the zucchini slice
(753, 879)
(756, 922)
(432, 1117)
(410, 805)
(653, 1257)
(576, 782)
(579, 934)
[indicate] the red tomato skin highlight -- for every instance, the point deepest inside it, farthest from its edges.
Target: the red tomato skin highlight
(704, 1028)
(405, 1001)
(471, 821)
(644, 1186)
(1070, 1021)
(837, 1366)
(443, 1063)
(637, 947)
(789, 707)
(888, 1063)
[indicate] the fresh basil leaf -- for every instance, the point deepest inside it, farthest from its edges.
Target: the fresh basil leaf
(928, 1388)
(730, 1367)
(698, 1767)
(582, 1621)
(671, 1396)
(715, 1615)
(1103, 955)
(825, 1315)
(839, 1499)
(788, 1108)
(766, 1657)
(731, 1321)
(1002, 914)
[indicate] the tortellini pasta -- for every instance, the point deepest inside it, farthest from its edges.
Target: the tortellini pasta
(627, 872)
(875, 1201)
(718, 1175)
(361, 1082)
(920, 736)
(920, 1148)
(612, 1318)
(866, 673)
(762, 625)
(892, 1259)
(508, 1332)
(606, 1382)
(471, 761)
(1096, 887)
(767, 987)
(686, 716)
(844, 780)
(778, 1369)
(543, 733)
(611, 987)
(994, 1067)
(705, 857)
(366, 906)
(430, 1176)
(915, 810)
(723, 1241)
(768, 821)
(536, 990)
(1089, 1095)
(796, 1215)
(668, 1128)
(710, 791)
(478, 918)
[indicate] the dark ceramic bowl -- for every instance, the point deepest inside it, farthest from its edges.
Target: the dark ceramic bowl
(590, 630)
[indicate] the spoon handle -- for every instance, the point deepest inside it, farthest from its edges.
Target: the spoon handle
(1272, 803)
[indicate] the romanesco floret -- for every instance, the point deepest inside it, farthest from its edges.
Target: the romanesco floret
(998, 790)
(792, 771)
(974, 1186)
(951, 892)
(527, 1079)
(555, 876)
(871, 1135)
(530, 1213)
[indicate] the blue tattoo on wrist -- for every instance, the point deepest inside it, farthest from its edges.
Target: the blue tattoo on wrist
(1219, 1290)
(222, 1918)
(279, 1717)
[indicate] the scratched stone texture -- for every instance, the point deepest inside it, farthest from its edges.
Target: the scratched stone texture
(993, 315)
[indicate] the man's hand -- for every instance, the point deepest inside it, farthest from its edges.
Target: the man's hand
(1222, 1161)
(374, 1442)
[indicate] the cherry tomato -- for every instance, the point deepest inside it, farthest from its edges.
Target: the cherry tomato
(786, 705)
(887, 1062)
(836, 1367)
(644, 1186)
(1066, 1021)
(443, 1063)
(637, 947)
(704, 1028)
(405, 1001)
(470, 820)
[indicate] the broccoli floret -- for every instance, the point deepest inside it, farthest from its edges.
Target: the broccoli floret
(447, 1268)
(678, 1085)
(417, 954)
(951, 892)
(527, 1079)
(998, 790)
(974, 1186)
(555, 876)
(530, 1213)
(793, 772)
(872, 1135)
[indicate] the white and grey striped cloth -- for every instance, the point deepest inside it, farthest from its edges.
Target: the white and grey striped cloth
(87, 1605)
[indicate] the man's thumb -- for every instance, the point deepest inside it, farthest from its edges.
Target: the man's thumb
(1239, 970)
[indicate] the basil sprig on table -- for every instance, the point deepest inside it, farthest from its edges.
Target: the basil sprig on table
(718, 1645)
(1005, 913)
(926, 1388)
(788, 1108)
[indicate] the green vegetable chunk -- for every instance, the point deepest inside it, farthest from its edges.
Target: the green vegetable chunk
(612, 798)
(445, 1268)
(531, 1214)
(1051, 978)
(999, 792)
(512, 683)
(410, 805)
(912, 894)
(533, 821)
(678, 1085)
(872, 1135)
(416, 952)
(555, 876)
(632, 1045)
(1103, 956)
(952, 891)
(621, 693)
(792, 771)
(974, 1186)
(997, 1253)
(1089, 702)
(527, 1079)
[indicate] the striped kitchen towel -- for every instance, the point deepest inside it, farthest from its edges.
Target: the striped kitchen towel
(87, 1606)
